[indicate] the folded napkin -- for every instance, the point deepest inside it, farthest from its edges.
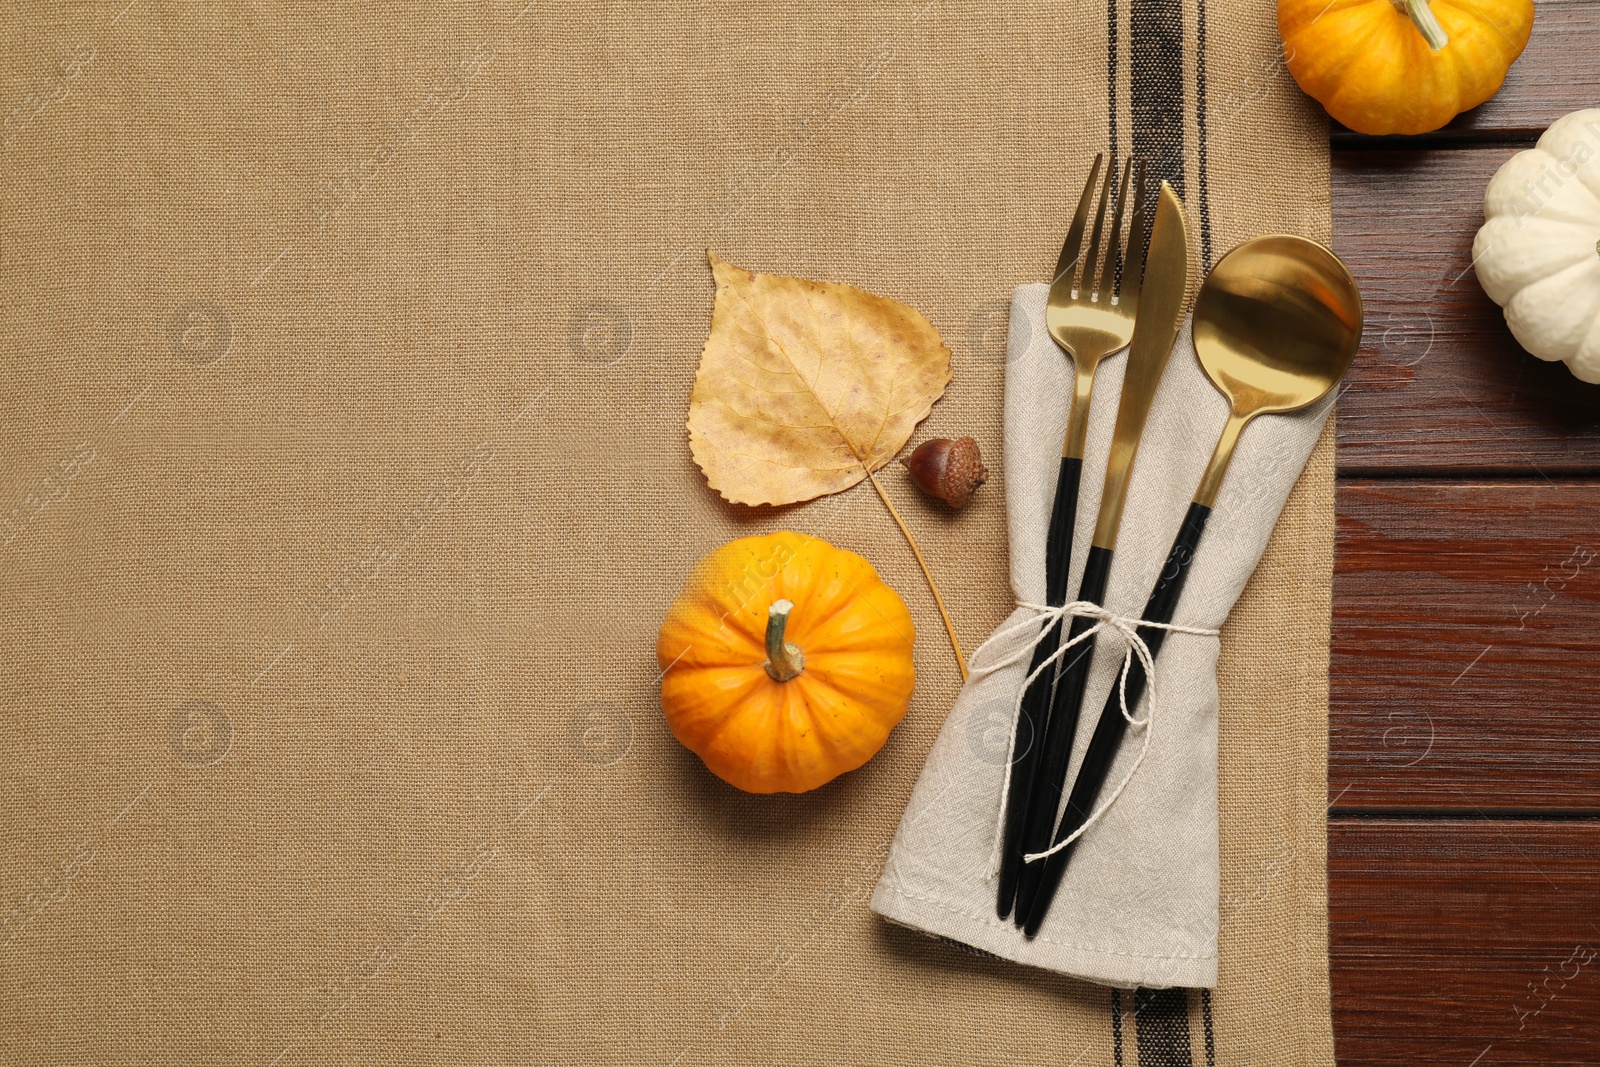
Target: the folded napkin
(1138, 905)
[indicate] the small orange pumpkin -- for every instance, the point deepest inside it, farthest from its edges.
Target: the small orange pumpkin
(785, 662)
(1401, 66)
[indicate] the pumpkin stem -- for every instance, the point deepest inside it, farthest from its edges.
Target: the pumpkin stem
(1426, 22)
(784, 661)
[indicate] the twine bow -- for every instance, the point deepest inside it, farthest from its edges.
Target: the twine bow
(1046, 618)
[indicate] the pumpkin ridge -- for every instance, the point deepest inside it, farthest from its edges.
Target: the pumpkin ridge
(828, 735)
(713, 722)
(865, 589)
(1565, 343)
(810, 621)
(737, 709)
(827, 671)
(1556, 252)
(1460, 79)
(732, 639)
(1474, 85)
(884, 642)
(877, 645)
(1467, 8)
(1355, 34)
(882, 691)
(721, 613)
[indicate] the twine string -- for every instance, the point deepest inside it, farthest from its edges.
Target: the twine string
(1045, 618)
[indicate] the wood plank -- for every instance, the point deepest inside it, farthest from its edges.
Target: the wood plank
(1464, 646)
(1465, 943)
(1440, 384)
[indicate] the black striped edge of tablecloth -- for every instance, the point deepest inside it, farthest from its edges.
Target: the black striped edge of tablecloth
(1156, 48)
(1163, 1028)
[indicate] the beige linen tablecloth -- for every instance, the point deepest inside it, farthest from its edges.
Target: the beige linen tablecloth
(345, 482)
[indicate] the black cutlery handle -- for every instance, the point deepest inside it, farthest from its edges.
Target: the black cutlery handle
(1109, 731)
(1055, 741)
(1063, 517)
(1035, 702)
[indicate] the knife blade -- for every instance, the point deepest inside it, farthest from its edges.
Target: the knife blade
(1155, 330)
(1163, 298)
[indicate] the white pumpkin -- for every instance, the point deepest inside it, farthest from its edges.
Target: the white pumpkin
(1538, 253)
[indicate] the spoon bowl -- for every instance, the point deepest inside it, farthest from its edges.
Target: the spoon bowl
(1276, 325)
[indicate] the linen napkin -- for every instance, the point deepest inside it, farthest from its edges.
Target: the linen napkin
(1139, 903)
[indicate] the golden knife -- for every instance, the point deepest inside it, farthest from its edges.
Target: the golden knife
(1155, 330)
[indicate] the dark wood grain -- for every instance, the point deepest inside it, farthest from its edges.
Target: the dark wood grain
(1440, 385)
(1461, 943)
(1555, 74)
(1465, 646)
(1464, 692)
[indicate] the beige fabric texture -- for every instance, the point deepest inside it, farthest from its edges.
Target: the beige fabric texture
(345, 482)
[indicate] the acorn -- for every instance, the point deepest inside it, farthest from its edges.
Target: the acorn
(949, 470)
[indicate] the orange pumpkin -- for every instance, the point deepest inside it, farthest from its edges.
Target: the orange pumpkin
(1401, 66)
(785, 662)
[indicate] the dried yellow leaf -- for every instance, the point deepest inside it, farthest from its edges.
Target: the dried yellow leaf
(805, 387)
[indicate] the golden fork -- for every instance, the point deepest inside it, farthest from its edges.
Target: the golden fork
(1090, 316)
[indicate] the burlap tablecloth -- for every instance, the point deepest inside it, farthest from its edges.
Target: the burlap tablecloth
(345, 482)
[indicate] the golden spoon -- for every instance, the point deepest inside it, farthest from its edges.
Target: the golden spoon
(1276, 325)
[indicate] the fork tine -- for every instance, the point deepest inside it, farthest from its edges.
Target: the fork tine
(1067, 265)
(1133, 267)
(1091, 262)
(1108, 274)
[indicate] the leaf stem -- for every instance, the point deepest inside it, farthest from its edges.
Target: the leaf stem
(950, 628)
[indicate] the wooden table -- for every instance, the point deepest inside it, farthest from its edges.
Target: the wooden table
(1464, 764)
